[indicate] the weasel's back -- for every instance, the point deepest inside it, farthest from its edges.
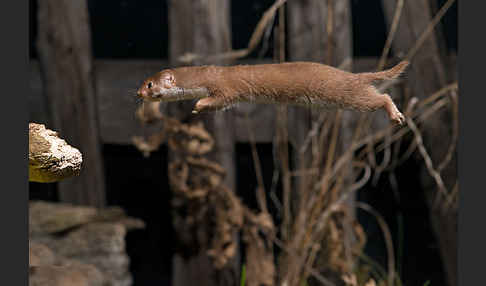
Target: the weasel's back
(291, 79)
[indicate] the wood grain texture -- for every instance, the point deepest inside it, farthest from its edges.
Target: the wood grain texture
(64, 48)
(309, 40)
(204, 27)
(428, 73)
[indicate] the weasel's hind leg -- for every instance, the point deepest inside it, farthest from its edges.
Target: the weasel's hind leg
(208, 104)
(395, 115)
(374, 100)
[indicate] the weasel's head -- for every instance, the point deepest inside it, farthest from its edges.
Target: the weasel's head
(159, 87)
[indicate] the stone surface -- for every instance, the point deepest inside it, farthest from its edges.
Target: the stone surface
(40, 255)
(49, 218)
(51, 159)
(91, 239)
(115, 267)
(73, 245)
(72, 273)
(48, 269)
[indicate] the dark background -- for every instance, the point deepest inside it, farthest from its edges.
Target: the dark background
(130, 29)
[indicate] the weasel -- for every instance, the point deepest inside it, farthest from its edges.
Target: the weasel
(294, 83)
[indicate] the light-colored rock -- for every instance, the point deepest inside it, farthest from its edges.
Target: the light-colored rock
(113, 266)
(91, 239)
(51, 159)
(48, 218)
(76, 234)
(70, 273)
(40, 255)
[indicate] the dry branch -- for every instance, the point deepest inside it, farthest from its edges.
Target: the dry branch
(259, 249)
(265, 20)
(388, 239)
(261, 197)
(429, 29)
(51, 159)
(428, 161)
(391, 34)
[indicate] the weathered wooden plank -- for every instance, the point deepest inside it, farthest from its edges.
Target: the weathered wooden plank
(308, 41)
(64, 48)
(429, 71)
(318, 31)
(204, 27)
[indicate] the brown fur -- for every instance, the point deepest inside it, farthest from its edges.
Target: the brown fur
(296, 83)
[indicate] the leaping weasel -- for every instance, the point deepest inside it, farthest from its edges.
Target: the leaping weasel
(294, 83)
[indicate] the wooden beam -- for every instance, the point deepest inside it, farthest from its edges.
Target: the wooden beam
(428, 73)
(204, 27)
(64, 48)
(308, 41)
(319, 31)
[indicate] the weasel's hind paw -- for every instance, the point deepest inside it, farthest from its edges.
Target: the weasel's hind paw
(398, 118)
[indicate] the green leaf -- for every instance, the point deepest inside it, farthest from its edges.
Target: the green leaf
(243, 275)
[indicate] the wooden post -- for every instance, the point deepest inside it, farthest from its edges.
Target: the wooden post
(318, 34)
(204, 27)
(64, 47)
(308, 41)
(426, 75)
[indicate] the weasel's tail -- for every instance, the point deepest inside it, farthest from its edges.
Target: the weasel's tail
(392, 73)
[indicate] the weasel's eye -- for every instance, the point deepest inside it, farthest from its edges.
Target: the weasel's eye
(149, 85)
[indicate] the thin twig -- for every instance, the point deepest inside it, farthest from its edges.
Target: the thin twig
(428, 30)
(453, 196)
(422, 114)
(455, 133)
(428, 161)
(365, 120)
(378, 136)
(255, 39)
(283, 133)
(391, 35)
(343, 196)
(330, 31)
(332, 148)
(385, 162)
(312, 133)
(388, 239)
(337, 119)
(261, 198)
(381, 64)
(312, 271)
(437, 94)
(421, 117)
(397, 160)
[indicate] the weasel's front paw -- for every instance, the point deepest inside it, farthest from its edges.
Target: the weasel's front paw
(208, 104)
(202, 107)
